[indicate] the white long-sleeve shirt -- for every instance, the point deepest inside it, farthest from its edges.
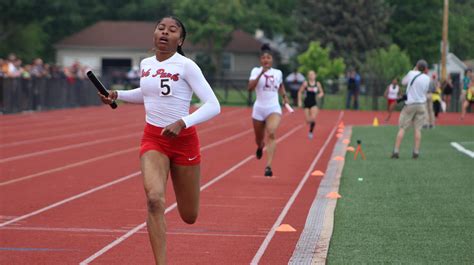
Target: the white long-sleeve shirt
(166, 89)
(416, 92)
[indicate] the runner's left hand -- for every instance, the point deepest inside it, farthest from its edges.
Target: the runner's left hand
(173, 129)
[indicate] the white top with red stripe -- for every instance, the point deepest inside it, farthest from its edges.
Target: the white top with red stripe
(267, 86)
(166, 89)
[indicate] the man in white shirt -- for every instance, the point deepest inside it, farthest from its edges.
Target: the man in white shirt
(294, 82)
(414, 111)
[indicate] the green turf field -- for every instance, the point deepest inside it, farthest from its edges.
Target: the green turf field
(406, 211)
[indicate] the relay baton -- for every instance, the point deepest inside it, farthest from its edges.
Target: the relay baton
(100, 87)
(289, 108)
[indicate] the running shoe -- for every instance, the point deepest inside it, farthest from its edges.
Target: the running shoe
(268, 172)
(415, 155)
(310, 135)
(395, 156)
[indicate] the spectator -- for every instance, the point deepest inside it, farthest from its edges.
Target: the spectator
(447, 89)
(38, 70)
(466, 82)
(353, 89)
(436, 99)
(430, 117)
(3, 67)
(469, 98)
(14, 68)
(294, 82)
(133, 77)
(26, 72)
(392, 93)
(414, 111)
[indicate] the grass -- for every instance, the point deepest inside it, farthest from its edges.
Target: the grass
(406, 211)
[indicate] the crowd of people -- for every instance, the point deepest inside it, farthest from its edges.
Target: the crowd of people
(14, 67)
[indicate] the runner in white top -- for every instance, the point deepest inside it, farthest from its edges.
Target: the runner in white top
(392, 93)
(176, 79)
(266, 114)
(170, 142)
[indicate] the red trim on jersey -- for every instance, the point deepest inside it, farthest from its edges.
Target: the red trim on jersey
(182, 150)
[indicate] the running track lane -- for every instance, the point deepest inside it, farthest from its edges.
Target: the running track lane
(236, 213)
(77, 214)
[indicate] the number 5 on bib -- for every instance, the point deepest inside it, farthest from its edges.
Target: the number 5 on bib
(165, 88)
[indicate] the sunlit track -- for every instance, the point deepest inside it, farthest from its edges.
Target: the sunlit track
(59, 168)
(173, 206)
(71, 135)
(106, 185)
(74, 119)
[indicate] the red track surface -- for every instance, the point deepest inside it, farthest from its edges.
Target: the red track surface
(47, 158)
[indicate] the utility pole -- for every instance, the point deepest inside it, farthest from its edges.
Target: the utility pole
(444, 45)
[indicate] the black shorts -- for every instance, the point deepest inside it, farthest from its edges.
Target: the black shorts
(310, 102)
(448, 91)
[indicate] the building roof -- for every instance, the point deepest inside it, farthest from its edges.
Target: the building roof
(139, 35)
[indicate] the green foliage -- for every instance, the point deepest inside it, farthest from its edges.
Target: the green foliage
(317, 58)
(416, 26)
(20, 42)
(461, 28)
(350, 27)
(387, 63)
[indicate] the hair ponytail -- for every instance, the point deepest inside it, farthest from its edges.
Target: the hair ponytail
(266, 49)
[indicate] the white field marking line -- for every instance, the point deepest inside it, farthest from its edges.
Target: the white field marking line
(461, 149)
(171, 207)
(72, 146)
(80, 163)
(466, 143)
(54, 205)
(91, 191)
(290, 202)
(107, 156)
(67, 135)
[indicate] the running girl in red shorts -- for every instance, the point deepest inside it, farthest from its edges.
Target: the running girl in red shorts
(170, 142)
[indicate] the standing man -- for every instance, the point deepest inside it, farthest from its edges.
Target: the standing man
(414, 111)
(353, 89)
(294, 81)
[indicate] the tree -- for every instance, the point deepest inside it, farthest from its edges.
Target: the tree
(212, 22)
(350, 27)
(461, 28)
(416, 27)
(318, 59)
(387, 64)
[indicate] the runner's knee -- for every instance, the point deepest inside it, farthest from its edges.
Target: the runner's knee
(155, 202)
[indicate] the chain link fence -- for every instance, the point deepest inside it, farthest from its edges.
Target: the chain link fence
(35, 94)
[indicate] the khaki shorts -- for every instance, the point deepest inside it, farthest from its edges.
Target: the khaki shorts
(413, 114)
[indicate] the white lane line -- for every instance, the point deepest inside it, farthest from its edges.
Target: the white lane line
(171, 207)
(71, 135)
(54, 205)
(102, 187)
(461, 149)
(114, 231)
(290, 202)
(80, 163)
(67, 147)
(105, 140)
